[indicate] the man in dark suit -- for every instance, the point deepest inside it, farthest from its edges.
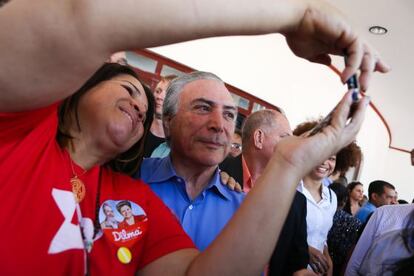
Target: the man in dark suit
(261, 133)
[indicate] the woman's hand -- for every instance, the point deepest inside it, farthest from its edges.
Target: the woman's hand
(318, 261)
(323, 30)
(301, 154)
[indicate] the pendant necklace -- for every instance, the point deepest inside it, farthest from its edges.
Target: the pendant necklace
(78, 187)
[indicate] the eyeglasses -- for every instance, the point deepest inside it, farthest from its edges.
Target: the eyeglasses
(236, 146)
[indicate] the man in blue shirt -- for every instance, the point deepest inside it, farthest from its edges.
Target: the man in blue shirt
(379, 193)
(199, 121)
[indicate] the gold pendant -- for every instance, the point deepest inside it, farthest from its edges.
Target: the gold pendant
(78, 189)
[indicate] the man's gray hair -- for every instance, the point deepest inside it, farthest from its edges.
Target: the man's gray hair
(170, 105)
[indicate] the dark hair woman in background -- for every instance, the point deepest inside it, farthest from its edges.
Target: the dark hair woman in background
(355, 197)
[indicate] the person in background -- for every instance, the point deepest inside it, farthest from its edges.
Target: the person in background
(156, 135)
(321, 202)
(236, 144)
(355, 197)
(321, 207)
(364, 200)
(386, 246)
(344, 232)
(118, 57)
(395, 199)
(352, 158)
(262, 131)
(379, 193)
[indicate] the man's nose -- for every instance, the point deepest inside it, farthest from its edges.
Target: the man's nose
(216, 120)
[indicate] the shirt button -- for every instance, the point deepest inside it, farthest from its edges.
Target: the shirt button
(179, 179)
(190, 207)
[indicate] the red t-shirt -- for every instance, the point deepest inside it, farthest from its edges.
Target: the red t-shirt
(39, 225)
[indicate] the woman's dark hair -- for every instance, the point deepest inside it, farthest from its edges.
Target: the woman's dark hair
(341, 193)
(123, 203)
(347, 157)
(351, 186)
(127, 162)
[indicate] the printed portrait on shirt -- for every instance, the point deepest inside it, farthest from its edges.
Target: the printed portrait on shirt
(122, 221)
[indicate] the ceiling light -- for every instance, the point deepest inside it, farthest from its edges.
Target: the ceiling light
(378, 30)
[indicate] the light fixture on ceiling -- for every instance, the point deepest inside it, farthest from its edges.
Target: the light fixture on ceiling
(378, 30)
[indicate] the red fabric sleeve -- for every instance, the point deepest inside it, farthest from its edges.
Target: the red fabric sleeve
(19, 124)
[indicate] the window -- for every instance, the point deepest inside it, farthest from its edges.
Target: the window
(142, 62)
(257, 107)
(240, 101)
(168, 70)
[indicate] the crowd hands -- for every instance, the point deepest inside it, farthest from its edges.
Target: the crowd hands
(98, 132)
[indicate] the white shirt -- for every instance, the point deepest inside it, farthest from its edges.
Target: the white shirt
(385, 219)
(319, 215)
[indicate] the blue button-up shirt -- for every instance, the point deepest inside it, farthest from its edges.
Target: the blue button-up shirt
(202, 218)
(364, 212)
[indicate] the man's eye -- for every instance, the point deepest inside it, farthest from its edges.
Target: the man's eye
(202, 107)
(230, 115)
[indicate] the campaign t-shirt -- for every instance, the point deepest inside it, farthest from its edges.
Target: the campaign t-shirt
(40, 222)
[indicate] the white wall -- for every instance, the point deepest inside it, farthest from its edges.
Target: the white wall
(380, 162)
(265, 67)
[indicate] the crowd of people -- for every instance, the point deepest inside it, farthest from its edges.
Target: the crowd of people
(327, 214)
(79, 197)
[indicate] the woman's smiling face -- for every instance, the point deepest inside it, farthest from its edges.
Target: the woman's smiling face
(112, 114)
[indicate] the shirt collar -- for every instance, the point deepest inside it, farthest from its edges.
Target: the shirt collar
(247, 176)
(216, 185)
(165, 171)
(370, 205)
(325, 193)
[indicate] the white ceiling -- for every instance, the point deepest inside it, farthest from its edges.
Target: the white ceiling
(393, 93)
(263, 66)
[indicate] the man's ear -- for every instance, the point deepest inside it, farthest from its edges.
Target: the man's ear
(258, 136)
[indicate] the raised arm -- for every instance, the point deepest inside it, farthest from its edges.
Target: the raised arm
(50, 47)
